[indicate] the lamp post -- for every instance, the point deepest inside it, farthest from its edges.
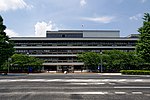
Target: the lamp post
(101, 62)
(9, 59)
(27, 64)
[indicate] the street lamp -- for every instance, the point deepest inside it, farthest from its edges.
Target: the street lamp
(9, 60)
(101, 62)
(27, 64)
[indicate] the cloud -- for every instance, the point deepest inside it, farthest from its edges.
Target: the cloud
(11, 33)
(42, 27)
(104, 19)
(136, 17)
(83, 3)
(13, 5)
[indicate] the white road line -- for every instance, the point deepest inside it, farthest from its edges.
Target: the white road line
(87, 93)
(19, 93)
(112, 83)
(53, 87)
(75, 80)
(87, 83)
(137, 93)
(130, 87)
(138, 80)
(120, 93)
(122, 80)
(79, 93)
(105, 80)
(78, 83)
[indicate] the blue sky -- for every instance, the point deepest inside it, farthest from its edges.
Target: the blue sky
(34, 17)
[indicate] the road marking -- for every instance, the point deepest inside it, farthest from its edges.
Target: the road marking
(75, 80)
(86, 93)
(131, 87)
(138, 80)
(53, 87)
(122, 80)
(19, 93)
(120, 93)
(87, 83)
(112, 83)
(137, 93)
(78, 83)
(79, 93)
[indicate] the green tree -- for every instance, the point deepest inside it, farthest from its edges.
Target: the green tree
(132, 61)
(116, 60)
(25, 61)
(143, 45)
(6, 46)
(91, 60)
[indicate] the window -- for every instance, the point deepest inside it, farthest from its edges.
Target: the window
(63, 35)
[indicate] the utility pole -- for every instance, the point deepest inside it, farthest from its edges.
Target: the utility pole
(9, 60)
(28, 65)
(101, 62)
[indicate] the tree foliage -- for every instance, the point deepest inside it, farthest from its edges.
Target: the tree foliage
(25, 60)
(115, 60)
(143, 45)
(112, 60)
(91, 60)
(22, 63)
(6, 46)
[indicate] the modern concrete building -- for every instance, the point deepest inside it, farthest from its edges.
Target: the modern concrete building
(59, 49)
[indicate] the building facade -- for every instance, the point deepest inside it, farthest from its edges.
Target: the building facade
(59, 49)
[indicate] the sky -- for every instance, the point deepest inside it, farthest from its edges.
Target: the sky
(34, 17)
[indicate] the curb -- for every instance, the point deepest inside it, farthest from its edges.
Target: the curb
(109, 73)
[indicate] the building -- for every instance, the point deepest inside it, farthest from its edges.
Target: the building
(59, 49)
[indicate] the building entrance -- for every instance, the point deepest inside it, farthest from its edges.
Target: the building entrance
(50, 68)
(65, 68)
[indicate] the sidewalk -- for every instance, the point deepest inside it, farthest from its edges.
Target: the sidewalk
(13, 74)
(75, 73)
(109, 73)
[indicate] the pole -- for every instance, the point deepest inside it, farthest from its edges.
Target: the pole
(27, 64)
(101, 63)
(9, 59)
(7, 66)
(101, 66)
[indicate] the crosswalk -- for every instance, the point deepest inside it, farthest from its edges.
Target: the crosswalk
(79, 93)
(75, 88)
(75, 80)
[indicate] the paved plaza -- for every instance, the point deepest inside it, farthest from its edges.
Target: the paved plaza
(74, 87)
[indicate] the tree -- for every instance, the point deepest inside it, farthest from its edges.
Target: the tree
(116, 60)
(146, 17)
(24, 62)
(91, 60)
(143, 45)
(132, 61)
(6, 46)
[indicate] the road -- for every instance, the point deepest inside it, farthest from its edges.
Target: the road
(74, 87)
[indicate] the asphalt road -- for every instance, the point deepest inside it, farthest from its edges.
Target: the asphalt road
(74, 87)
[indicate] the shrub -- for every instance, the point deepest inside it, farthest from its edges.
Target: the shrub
(135, 72)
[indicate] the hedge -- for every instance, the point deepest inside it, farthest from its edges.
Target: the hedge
(135, 72)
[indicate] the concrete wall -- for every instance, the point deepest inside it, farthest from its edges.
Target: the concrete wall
(101, 33)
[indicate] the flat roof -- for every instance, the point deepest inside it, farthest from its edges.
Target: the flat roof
(79, 30)
(73, 39)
